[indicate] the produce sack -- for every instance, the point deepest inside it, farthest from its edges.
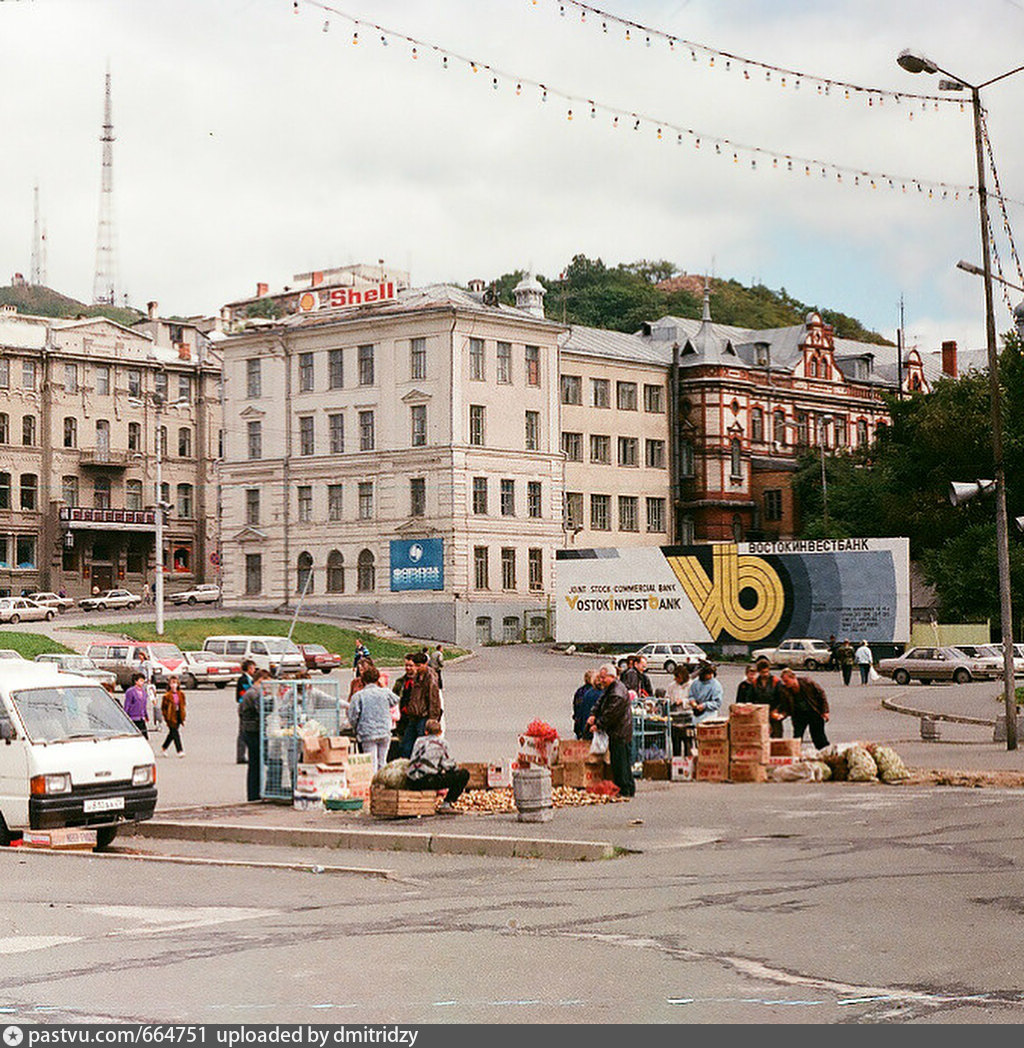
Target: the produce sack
(890, 764)
(860, 765)
(392, 775)
(798, 771)
(835, 757)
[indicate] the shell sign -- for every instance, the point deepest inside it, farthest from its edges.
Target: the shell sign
(309, 302)
(343, 297)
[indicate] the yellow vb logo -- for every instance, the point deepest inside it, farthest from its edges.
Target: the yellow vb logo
(743, 597)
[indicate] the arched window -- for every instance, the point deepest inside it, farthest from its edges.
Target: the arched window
(862, 432)
(756, 425)
(779, 427)
(881, 429)
(812, 368)
(366, 573)
(735, 458)
(335, 572)
(304, 579)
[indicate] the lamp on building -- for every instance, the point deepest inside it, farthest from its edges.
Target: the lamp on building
(914, 62)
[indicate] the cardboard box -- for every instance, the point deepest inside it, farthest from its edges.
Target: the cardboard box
(712, 771)
(307, 779)
(713, 750)
(537, 751)
(499, 776)
(749, 733)
(749, 712)
(311, 748)
(749, 753)
(557, 775)
(785, 747)
(682, 769)
(334, 749)
(656, 771)
(477, 775)
(570, 750)
(713, 731)
(65, 838)
(778, 762)
(361, 790)
(745, 771)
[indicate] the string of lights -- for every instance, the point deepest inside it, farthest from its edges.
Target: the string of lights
(752, 157)
(1007, 228)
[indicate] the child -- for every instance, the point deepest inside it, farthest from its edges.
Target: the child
(173, 710)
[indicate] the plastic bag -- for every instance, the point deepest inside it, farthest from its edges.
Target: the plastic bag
(599, 743)
(873, 674)
(860, 765)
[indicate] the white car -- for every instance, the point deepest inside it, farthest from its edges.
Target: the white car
(21, 609)
(53, 600)
(10, 653)
(115, 598)
(207, 593)
(803, 652)
(79, 665)
(207, 668)
(667, 656)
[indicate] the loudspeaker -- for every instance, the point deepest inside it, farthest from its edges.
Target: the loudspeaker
(1019, 521)
(960, 492)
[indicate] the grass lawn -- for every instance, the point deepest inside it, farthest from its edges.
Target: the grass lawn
(31, 644)
(189, 635)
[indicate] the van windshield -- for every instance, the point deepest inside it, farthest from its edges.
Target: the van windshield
(282, 646)
(165, 651)
(76, 712)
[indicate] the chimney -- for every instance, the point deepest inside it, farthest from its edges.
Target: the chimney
(318, 277)
(151, 308)
(476, 286)
(262, 289)
(949, 359)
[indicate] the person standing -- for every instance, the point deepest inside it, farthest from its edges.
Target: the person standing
(249, 722)
(613, 715)
(424, 703)
(436, 662)
(361, 652)
(746, 690)
(808, 707)
(147, 595)
(173, 710)
(766, 692)
(845, 658)
(369, 713)
(136, 703)
(582, 705)
(864, 659)
(432, 767)
(705, 693)
(242, 685)
(678, 696)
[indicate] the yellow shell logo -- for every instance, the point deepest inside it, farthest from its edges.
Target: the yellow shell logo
(308, 301)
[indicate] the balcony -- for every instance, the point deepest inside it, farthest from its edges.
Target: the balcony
(102, 458)
(83, 518)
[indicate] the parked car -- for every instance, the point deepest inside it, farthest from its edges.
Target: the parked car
(995, 651)
(21, 609)
(53, 600)
(664, 656)
(928, 664)
(115, 598)
(280, 656)
(319, 658)
(79, 665)
(10, 653)
(800, 652)
(126, 658)
(207, 668)
(207, 593)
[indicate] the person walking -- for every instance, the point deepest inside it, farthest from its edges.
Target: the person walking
(582, 705)
(864, 659)
(432, 767)
(242, 685)
(424, 703)
(705, 693)
(613, 715)
(147, 594)
(436, 662)
(369, 713)
(845, 658)
(173, 710)
(249, 723)
(766, 691)
(808, 707)
(136, 703)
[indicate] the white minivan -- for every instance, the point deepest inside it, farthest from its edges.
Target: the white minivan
(69, 755)
(279, 655)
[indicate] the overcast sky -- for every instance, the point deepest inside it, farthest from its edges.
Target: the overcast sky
(252, 145)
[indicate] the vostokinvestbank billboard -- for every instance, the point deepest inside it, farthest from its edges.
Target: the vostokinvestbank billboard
(747, 592)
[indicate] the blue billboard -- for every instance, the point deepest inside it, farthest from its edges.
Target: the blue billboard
(417, 564)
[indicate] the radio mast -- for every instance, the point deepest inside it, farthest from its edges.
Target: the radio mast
(104, 288)
(37, 273)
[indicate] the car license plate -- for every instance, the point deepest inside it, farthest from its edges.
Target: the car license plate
(103, 804)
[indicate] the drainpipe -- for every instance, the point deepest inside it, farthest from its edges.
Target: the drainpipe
(451, 445)
(673, 446)
(286, 460)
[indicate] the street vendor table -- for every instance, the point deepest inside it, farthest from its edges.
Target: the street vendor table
(652, 730)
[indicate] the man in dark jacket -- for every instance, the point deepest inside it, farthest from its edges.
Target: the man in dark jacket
(634, 676)
(613, 715)
(242, 685)
(768, 691)
(424, 702)
(808, 706)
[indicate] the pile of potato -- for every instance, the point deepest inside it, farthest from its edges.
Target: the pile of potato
(502, 802)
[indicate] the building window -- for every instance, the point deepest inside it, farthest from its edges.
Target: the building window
(417, 497)
(737, 528)
(25, 551)
(103, 437)
(572, 510)
(5, 373)
(70, 378)
(533, 431)
(572, 389)
(802, 429)
(600, 513)
(600, 448)
(161, 434)
(572, 446)
(508, 568)
(30, 491)
(508, 498)
(756, 425)
(687, 531)
(185, 501)
(686, 459)
(773, 504)
(253, 379)
(655, 454)
(252, 507)
(335, 369)
(134, 436)
(629, 513)
(366, 439)
(165, 495)
(305, 372)
(305, 493)
(304, 573)
(133, 494)
(480, 495)
(629, 451)
(28, 430)
(480, 580)
(253, 574)
(102, 373)
(159, 384)
(68, 490)
(366, 572)
(184, 443)
(5, 428)
(862, 432)
(334, 501)
(336, 430)
(418, 422)
(505, 363)
(779, 427)
(70, 432)
(536, 562)
(184, 389)
(654, 399)
(28, 374)
(625, 396)
(655, 514)
(134, 382)
(839, 424)
(533, 499)
(366, 500)
(365, 355)
(255, 439)
(477, 371)
(533, 365)
(418, 358)
(5, 491)
(735, 459)
(476, 424)
(335, 572)
(307, 444)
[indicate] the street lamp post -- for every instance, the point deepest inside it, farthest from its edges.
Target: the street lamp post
(824, 422)
(917, 63)
(158, 583)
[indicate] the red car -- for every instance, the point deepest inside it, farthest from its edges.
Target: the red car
(319, 658)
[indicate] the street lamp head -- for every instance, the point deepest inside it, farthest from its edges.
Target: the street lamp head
(913, 62)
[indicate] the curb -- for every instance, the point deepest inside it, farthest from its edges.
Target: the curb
(952, 718)
(379, 840)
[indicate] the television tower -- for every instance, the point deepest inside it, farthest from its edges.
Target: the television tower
(37, 274)
(104, 288)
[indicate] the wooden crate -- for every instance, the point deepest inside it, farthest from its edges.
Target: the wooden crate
(402, 804)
